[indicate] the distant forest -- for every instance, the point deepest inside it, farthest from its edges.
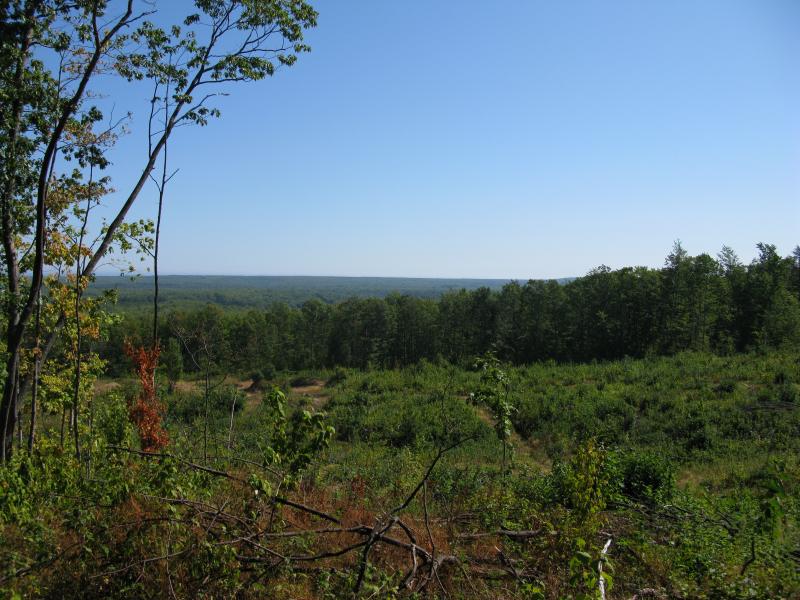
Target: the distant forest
(236, 292)
(693, 303)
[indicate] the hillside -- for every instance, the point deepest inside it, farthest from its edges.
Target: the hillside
(234, 291)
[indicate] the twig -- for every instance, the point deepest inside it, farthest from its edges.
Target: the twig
(179, 459)
(304, 508)
(439, 455)
(601, 582)
(514, 535)
(383, 526)
(752, 557)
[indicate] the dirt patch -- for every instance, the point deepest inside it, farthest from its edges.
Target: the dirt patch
(246, 385)
(312, 389)
(252, 394)
(306, 390)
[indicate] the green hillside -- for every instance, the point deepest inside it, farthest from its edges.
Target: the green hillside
(261, 291)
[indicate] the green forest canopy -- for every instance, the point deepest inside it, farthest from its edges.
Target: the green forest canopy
(692, 303)
(232, 291)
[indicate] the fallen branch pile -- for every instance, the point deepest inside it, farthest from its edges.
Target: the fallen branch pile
(268, 537)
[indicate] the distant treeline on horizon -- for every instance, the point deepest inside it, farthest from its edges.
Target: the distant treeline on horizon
(260, 291)
(693, 303)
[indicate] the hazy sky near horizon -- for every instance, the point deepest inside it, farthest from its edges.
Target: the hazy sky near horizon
(486, 139)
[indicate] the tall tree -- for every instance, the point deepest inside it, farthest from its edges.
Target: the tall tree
(223, 42)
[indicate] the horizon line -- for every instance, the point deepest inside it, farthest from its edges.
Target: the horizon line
(431, 277)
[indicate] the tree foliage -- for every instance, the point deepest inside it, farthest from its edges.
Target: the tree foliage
(55, 140)
(693, 303)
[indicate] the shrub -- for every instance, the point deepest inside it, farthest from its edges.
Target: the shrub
(587, 482)
(339, 376)
(647, 477)
(111, 418)
(302, 381)
(223, 398)
(257, 377)
(185, 407)
(268, 371)
(726, 386)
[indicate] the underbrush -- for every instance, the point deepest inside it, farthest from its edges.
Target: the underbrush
(688, 465)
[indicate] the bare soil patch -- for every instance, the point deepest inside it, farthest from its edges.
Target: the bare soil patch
(101, 387)
(252, 395)
(312, 389)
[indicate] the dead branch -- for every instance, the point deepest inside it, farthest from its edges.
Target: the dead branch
(514, 535)
(601, 582)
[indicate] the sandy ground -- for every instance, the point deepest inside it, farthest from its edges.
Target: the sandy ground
(314, 392)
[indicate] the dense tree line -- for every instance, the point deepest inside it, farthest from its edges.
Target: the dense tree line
(692, 303)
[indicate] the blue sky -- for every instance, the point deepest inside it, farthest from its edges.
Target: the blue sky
(521, 139)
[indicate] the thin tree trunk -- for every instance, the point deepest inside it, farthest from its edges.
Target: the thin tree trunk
(205, 427)
(19, 411)
(161, 188)
(8, 408)
(36, 372)
(78, 330)
(78, 366)
(73, 427)
(230, 429)
(63, 420)
(91, 437)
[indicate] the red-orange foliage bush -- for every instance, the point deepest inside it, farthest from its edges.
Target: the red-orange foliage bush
(146, 410)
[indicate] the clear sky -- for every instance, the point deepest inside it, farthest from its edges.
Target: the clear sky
(520, 139)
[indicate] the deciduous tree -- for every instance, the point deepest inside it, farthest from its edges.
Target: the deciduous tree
(52, 53)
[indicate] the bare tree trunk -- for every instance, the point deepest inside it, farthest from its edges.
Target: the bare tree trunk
(72, 421)
(230, 429)
(91, 436)
(205, 368)
(77, 389)
(19, 412)
(161, 188)
(36, 372)
(205, 426)
(78, 330)
(8, 410)
(63, 419)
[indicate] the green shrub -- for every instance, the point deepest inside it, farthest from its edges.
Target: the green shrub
(588, 482)
(185, 407)
(111, 419)
(339, 376)
(647, 476)
(257, 377)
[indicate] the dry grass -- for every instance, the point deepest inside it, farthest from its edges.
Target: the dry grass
(313, 392)
(103, 386)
